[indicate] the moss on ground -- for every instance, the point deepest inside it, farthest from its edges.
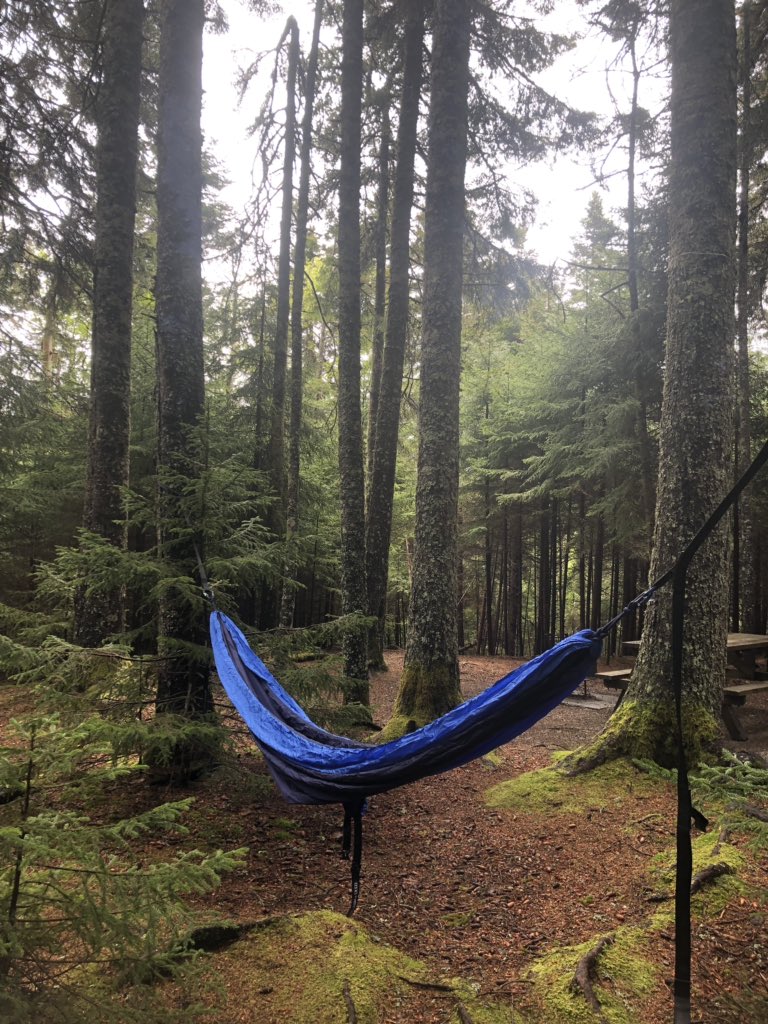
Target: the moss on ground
(624, 978)
(295, 969)
(708, 849)
(549, 790)
(647, 730)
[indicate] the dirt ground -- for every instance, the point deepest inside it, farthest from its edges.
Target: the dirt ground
(472, 891)
(481, 893)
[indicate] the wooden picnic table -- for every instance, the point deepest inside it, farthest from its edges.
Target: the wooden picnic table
(743, 650)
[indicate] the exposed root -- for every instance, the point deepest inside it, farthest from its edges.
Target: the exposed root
(434, 986)
(709, 874)
(585, 969)
(463, 1013)
(755, 812)
(351, 1011)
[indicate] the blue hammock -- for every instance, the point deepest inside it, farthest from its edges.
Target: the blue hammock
(312, 766)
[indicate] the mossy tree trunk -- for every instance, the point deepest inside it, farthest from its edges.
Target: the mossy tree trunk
(99, 614)
(353, 588)
(381, 484)
(696, 426)
(183, 678)
(430, 682)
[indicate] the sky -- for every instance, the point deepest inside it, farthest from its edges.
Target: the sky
(563, 185)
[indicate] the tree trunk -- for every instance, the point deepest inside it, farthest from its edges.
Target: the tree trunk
(297, 308)
(98, 615)
(596, 602)
(183, 677)
(489, 569)
(544, 595)
(744, 601)
(516, 585)
(354, 597)
(380, 284)
(696, 427)
(280, 347)
(430, 682)
(381, 484)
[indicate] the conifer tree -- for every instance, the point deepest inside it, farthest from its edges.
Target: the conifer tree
(350, 421)
(383, 458)
(430, 682)
(696, 427)
(183, 687)
(297, 307)
(98, 614)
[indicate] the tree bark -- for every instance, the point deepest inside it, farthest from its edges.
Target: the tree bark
(297, 308)
(183, 677)
(696, 426)
(380, 283)
(98, 615)
(743, 563)
(353, 587)
(430, 682)
(381, 484)
(280, 346)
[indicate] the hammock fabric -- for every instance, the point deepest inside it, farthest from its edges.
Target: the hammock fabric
(312, 766)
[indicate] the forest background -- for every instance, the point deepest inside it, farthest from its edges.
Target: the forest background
(229, 420)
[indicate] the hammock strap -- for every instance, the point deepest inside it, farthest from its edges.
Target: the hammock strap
(352, 840)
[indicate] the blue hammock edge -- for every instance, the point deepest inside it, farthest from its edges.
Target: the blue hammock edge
(310, 765)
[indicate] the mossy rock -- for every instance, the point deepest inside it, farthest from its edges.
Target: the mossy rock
(549, 790)
(625, 978)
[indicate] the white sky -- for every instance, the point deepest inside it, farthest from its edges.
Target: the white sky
(563, 185)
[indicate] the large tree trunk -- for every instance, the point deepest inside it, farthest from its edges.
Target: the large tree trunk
(430, 682)
(381, 485)
(380, 283)
(271, 609)
(354, 599)
(696, 426)
(183, 678)
(297, 308)
(743, 561)
(99, 614)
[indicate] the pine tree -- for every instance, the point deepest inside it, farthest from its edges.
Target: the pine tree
(183, 687)
(99, 614)
(350, 421)
(430, 681)
(696, 427)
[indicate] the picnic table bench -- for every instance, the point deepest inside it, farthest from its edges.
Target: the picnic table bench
(743, 650)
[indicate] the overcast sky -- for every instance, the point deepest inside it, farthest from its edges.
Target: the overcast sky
(563, 185)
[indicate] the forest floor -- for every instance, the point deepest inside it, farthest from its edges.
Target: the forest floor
(482, 890)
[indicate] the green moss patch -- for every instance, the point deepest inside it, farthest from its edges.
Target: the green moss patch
(625, 977)
(297, 969)
(548, 790)
(707, 850)
(647, 730)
